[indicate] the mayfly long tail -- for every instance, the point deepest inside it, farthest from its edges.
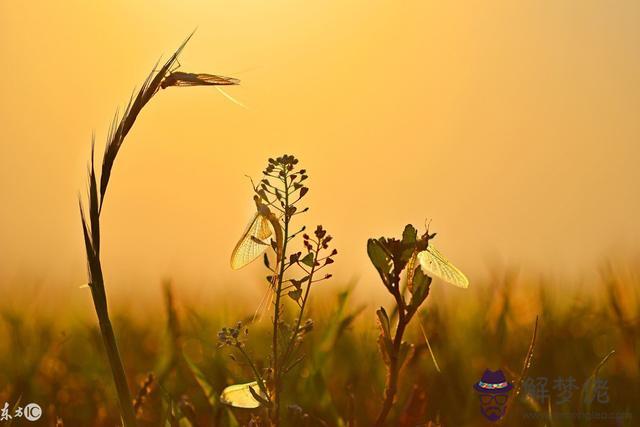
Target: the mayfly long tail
(231, 98)
(266, 300)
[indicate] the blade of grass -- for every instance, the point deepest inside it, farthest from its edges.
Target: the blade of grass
(91, 229)
(525, 368)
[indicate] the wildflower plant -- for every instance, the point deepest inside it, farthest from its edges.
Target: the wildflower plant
(278, 197)
(394, 258)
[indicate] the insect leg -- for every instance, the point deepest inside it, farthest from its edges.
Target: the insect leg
(177, 66)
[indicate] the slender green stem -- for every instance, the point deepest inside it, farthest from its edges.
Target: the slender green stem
(261, 384)
(391, 387)
(109, 339)
(275, 416)
(290, 344)
(392, 376)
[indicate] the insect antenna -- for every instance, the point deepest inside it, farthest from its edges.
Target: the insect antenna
(252, 183)
(427, 224)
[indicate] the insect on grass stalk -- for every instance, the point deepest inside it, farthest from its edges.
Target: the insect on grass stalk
(91, 225)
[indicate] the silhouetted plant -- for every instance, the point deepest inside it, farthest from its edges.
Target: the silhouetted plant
(391, 257)
(91, 229)
(278, 196)
(156, 80)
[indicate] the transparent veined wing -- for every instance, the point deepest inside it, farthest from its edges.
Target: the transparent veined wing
(433, 263)
(212, 79)
(239, 396)
(179, 78)
(189, 79)
(253, 242)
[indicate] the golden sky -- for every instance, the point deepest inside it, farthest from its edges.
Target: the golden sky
(512, 125)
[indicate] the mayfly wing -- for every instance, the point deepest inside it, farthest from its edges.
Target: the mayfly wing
(239, 396)
(191, 79)
(253, 242)
(179, 78)
(212, 79)
(265, 303)
(433, 263)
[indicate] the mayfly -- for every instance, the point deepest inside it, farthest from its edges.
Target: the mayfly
(433, 263)
(239, 395)
(179, 78)
(254, 242)
(255, 239)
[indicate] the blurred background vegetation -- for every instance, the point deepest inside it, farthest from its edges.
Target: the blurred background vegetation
(58, 360)
(520, 117)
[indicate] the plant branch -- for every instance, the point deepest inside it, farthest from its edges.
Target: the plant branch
(275, 416)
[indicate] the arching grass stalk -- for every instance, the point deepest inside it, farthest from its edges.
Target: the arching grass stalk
(91, 229)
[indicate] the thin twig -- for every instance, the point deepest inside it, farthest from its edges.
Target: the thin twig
(525, 368)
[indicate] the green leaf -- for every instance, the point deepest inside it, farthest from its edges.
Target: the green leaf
(409, 235)
(409, 239)
(383, 320)
(379, 259)
(308, 259)
(295, 295)
(265, 260)
(297, 283)
(385, 342)
(420, 288)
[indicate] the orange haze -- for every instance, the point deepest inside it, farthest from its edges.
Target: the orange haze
(512, 125)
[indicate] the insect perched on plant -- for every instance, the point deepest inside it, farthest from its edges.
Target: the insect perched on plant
(255, 239)
(433, 263)
(179, 78)
(242, 395)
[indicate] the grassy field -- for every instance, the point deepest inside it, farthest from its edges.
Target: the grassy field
(61, 364)
(317, 358)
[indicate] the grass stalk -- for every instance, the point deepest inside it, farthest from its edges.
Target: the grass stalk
(91, 230)
(523, 373)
